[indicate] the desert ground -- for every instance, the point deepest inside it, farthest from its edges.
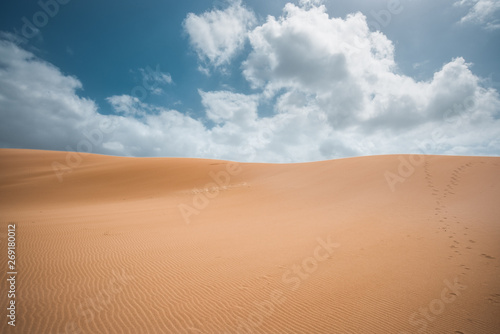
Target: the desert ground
(382, 244)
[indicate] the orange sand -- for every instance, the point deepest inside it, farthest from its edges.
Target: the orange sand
(136, 245)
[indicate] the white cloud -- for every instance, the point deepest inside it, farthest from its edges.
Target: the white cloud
(311, 3)
(481, 12)
(333, 85)
(223, 106)
(127, 105)
(154, 80)
(40, 108)
(339, 70)
(33, 112)
(218, 35)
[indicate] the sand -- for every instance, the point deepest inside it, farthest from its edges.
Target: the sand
(383, 244)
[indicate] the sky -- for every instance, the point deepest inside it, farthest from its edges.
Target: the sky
(251, 81)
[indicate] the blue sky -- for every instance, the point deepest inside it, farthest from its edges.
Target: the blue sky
(251, 80)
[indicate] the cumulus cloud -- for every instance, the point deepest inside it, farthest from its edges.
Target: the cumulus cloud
(348, 72)
(40, 108)
(333, 86)
(481, 12)
(223, 106)
(33, 112)
(128, 105)
(218, 35)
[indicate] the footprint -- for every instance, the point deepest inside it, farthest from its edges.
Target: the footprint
(495, 298)
(487, 256)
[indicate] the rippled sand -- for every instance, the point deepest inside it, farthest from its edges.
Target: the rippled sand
(385, 244)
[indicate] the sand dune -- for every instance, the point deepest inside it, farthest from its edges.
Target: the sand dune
(359, 245)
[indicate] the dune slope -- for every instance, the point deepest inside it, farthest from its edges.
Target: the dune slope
(384, 244)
